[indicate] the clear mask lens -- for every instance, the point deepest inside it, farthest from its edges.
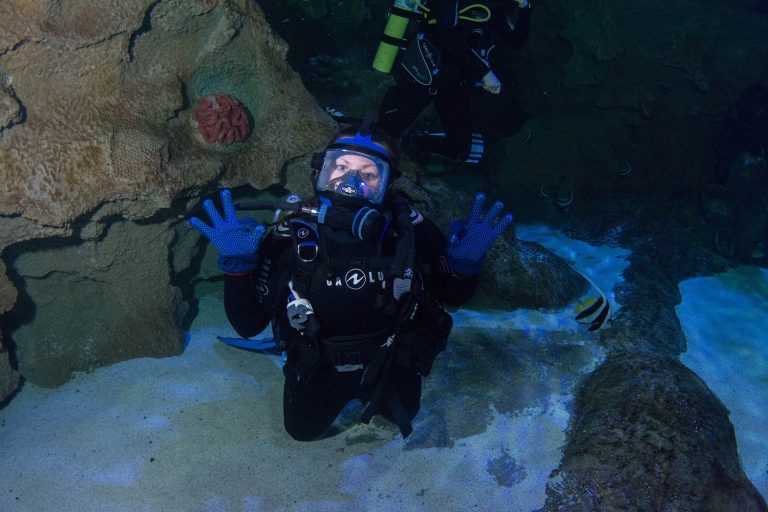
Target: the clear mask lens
(354, 174)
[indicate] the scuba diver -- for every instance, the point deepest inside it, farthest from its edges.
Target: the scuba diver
(459, 47)
(353, 283)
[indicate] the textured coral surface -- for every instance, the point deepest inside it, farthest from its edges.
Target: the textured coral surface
(106, 106)
(221, 118)
(96, 128)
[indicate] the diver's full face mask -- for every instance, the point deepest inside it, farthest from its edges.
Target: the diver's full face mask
(354, 175)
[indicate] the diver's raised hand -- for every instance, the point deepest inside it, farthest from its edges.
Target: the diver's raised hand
(491, 83)
(237, 240)
(469, 241)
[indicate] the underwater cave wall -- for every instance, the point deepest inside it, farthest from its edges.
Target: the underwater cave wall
(102, 162)
(624, 99)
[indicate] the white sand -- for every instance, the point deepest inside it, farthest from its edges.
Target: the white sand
(203, 431)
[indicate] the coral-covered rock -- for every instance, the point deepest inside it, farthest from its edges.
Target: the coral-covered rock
(95, 121)
(98, 302)
(10, 109)
(9, 377)
(106, 106)
(647, 434)
(221, 118)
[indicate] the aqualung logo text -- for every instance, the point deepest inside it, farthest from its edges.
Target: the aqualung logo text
(355, 279)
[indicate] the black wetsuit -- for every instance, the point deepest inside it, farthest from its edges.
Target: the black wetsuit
(344, 302)
(470, 51)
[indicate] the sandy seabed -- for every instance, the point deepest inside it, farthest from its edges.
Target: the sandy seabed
(203, 431)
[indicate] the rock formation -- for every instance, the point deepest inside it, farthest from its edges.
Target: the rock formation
(98, 154)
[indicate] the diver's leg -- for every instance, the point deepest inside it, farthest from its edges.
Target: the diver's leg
(407, 384)
(454, 107)
(457, 141)
(311, 406)
(401, 105)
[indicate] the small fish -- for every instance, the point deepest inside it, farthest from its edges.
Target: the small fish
(527, 136)
(545, 191)
(723, 241)
(626, 171)
(565, 201)
(595, 311)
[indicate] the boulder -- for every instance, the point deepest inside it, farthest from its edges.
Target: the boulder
(647, 434)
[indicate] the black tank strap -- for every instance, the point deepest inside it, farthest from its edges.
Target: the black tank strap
(306, 243)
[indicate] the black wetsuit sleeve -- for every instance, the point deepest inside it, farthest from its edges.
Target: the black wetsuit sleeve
(513, 32)
(244, 312)
(448, 286)
(250, 299)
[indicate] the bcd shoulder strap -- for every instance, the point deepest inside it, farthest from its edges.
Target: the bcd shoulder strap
(306, 243)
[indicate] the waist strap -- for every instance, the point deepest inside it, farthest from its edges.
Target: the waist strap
(355, 350)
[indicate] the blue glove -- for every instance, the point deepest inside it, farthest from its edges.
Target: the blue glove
(469, 241)
(236, 240)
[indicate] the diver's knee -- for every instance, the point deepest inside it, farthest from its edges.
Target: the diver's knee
(302, 434)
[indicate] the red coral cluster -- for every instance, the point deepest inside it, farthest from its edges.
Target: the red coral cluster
(221, 118)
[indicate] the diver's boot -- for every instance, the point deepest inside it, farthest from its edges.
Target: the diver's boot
(476, 150)
(420, 145)
(414, 145)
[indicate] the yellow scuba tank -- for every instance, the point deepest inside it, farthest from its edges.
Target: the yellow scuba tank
(392, 40)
